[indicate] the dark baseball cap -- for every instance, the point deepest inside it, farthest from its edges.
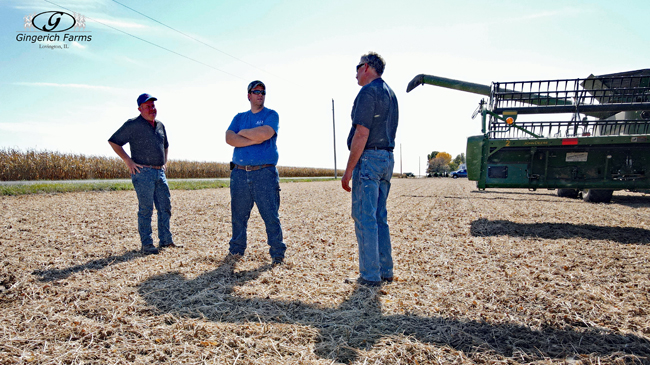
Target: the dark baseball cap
(254, 84)
(144, 98)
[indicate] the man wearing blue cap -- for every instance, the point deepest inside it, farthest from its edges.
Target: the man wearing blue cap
(254, 178)
(147, 140)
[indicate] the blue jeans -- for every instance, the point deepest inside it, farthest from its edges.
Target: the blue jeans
(260, 187)
(151, 188)
(370, 188)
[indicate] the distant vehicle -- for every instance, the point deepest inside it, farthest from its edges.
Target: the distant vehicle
(408, 174)
(459, 173)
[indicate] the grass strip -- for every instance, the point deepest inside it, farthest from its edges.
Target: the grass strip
(68, 187)
(51, 188)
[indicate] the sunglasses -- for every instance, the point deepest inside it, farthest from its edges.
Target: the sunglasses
(359, 66)
(257, 92)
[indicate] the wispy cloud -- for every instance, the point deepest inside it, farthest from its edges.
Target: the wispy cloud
(543, 14)
(119, 23)
(558, 13)
(74, 86)
(131, 61)
(27, 126)
(75, 5)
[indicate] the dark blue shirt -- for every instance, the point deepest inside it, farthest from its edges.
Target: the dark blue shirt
(147, 143)
(376, 109)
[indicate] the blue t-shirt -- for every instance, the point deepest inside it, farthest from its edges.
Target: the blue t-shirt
(376, 109)
(257, 154)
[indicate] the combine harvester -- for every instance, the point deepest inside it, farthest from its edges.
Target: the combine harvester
(605, 146)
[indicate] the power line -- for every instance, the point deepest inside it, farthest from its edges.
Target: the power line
(154, 44)
(196, 40)
(186, 35)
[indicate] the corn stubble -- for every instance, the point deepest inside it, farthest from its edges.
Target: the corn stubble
(498, 276)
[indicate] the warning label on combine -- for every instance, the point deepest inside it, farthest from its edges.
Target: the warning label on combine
(576, 157)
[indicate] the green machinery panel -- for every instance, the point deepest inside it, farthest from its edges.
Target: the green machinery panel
(590, 163)
(604, 144)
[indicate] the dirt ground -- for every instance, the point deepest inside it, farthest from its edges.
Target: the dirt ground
(497, 276)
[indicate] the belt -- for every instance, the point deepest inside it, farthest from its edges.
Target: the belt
(153, 167)
(389, 149)
(252, 168)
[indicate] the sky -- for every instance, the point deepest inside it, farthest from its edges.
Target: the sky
(197, 57)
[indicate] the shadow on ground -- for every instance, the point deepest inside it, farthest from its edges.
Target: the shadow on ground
(634, 201)
(359, 324)
(58, 274)
(553, 231)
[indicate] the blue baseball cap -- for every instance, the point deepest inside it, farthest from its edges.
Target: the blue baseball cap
(254, 84)
(144, 98)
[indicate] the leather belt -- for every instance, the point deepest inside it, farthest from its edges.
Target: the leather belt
(389, 149)
(252, 168)
(153, 167)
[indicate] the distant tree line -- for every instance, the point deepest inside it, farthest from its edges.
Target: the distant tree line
(441, 162)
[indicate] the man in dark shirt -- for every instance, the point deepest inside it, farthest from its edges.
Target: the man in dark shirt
(147, 140)
(370, 167)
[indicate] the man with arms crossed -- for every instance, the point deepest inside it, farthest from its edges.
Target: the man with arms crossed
(370, 166)
(148, 142)
(254, 178)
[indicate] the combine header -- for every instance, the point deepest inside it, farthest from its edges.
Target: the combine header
(603, 146)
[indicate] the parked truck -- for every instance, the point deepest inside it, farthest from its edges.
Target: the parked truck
(597, 142)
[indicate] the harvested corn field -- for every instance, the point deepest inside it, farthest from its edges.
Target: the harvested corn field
(497, 276)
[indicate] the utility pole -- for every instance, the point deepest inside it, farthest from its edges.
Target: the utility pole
(419, 165)
(400, 159)
(334, 131)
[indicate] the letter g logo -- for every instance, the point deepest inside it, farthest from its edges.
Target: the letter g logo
(53, 21)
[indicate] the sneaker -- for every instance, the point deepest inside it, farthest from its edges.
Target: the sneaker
(277, 261)
(387, 280)
(364, 282)
(170, 245)
(149, 250)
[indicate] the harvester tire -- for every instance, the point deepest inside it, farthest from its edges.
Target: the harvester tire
(597, 195)
(568, 193)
